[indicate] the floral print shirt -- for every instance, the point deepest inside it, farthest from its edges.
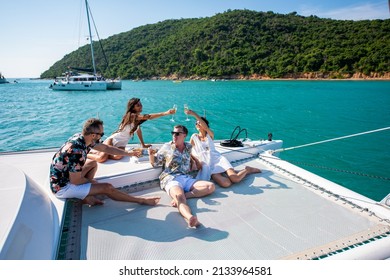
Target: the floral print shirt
(70, 157)
(173, 161)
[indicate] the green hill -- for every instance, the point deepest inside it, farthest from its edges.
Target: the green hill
(241, 43)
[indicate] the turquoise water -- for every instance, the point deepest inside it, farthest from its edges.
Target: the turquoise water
(298, 112)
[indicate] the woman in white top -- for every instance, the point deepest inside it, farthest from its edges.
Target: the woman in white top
(130, 123)
(214, 165)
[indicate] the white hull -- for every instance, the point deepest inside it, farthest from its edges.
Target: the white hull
(114, 84)
(285, 212)
(85, 83)
(80, 86)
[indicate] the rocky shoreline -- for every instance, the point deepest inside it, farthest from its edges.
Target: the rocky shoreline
(302, 76)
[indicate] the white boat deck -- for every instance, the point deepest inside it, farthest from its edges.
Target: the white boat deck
(284, 212)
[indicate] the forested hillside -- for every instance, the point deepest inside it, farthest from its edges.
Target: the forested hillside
(241, 43)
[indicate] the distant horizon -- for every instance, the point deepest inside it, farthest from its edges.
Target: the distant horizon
(38, 35)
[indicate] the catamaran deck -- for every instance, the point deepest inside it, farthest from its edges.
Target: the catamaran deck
(266, 216)
(282, 213)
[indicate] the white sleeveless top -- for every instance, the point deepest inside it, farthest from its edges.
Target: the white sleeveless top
(121, 138)
(211, 159)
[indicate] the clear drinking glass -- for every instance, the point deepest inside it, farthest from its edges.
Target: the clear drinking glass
(185, 111)
(174, 108)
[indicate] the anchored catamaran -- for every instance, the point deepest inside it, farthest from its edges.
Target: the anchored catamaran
(73, 80)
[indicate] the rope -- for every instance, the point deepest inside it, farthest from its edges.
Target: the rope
(340, 170)
(315, 186)
(310, 164)
(316, 143)
(97, 34)
(330, 140)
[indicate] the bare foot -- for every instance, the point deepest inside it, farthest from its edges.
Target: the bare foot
(151, 200)
(92, 201)
(252, 170)
(193, 222)
(173, 203)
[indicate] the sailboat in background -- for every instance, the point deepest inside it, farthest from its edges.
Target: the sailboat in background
(3, 80)
(77, 79)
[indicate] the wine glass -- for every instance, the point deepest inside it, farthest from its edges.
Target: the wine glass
(185, 111)
(174, 108)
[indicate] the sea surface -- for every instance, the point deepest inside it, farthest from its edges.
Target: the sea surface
(33, 116)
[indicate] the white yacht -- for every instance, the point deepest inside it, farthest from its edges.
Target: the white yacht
(74, 81)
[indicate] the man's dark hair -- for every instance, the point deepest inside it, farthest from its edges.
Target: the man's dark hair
(185, 130)
(92, 126)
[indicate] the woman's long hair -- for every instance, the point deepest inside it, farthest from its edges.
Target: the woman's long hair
(130, 116)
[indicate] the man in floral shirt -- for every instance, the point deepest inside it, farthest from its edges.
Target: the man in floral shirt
(72, 174)
(177, 162)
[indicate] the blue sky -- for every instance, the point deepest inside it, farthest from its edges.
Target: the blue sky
(35, 34)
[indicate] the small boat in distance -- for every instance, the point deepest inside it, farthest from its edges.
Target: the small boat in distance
(90, 80)
(3, 80)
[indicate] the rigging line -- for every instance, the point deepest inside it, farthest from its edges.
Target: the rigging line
(340, 170)
(264, 155)
(80, 22)
(241, 151)
(330, 140)
(97, 34)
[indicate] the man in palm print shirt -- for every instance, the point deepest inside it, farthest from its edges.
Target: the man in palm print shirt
(177, 162)
(72, 174)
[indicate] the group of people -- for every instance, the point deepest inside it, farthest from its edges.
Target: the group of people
(74, 165)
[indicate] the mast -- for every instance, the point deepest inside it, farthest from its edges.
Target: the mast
(90, 38)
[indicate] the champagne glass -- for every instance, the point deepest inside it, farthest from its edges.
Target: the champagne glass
(185, 111)
(174, 108)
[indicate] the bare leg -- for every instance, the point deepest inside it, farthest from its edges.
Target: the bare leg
(98, 156)
(89, 169)
(101, 156)
(116, 157)
(92, 201)
(236, 177)
(180, 201)
(200, 189)
(252, 169)
(115, 194)
(233, 176)
(221, 180)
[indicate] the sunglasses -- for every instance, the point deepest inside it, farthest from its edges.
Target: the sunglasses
(177, 133)
(101, 134)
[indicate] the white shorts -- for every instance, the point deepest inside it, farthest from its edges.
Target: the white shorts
(185, 182)
(74, 191)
